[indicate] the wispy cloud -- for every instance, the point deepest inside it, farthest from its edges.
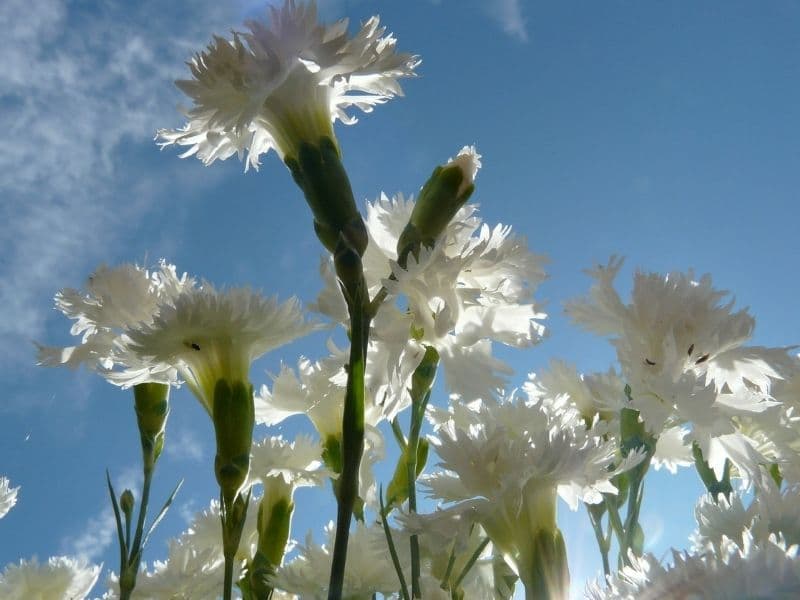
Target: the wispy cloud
(74, 100)
(508, 14)
(184, 445)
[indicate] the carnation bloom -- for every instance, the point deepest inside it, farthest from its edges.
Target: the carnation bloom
(505, 470)
(209, 335)
(769, 570)
(317, 391)
(473, 287)
(283, 83)
(60, 577)
(368, 570)
(115, 298)
(194, 565)
(682, 352)
(727, 521)
(8, 496)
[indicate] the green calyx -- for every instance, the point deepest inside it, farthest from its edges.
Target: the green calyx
(234, 419)
(274, 523)
(439, 200)
(546, 576)
(151, 402)
(318, 171)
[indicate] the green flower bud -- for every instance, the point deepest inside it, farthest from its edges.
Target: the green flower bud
(151, 402)
(126, 503)
(424, 374)
(442, 196)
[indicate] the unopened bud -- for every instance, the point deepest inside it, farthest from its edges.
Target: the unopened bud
(442, 196)
(126, 503)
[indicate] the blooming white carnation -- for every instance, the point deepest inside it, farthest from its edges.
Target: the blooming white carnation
(298, 463)
(474, 286)
(208, 335)
(189, 572)
(115, 299)
(8, 496)
(681, 351)
(505, 469)
(61, 577)
(770, 570)
(317, 391)
(727, 521)
(368, 571)
(284, 82)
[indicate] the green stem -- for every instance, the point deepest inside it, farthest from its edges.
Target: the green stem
(614, 519)
(709, 477)
(227, 592)
(352, 431)
(471, 562)
(417, 411)
(602, 539)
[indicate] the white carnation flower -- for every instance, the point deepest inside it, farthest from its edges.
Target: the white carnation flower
(208, 335)
(681, 351)
(298, 463)
(764, 571)
(284, 82)
(368, 571)
(60, 577)
(189, 572)
(8, 496)
(507, 467)
(115, 299)
(473, 287)
(771, 513)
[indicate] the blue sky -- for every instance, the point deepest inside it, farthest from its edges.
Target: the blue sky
(664, 132)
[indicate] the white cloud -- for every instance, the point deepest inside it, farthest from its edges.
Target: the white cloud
(98, 534)
(508, 13)
(184, 445)
(77, 87)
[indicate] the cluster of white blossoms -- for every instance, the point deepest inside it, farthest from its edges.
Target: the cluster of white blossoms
(771, 570)
(439, 282)
(60, 577)
(739, 552)
(285, 82)
(682, 354)
(505, 463)
(473, 287)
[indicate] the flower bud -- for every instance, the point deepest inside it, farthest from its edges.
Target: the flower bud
(151, 402)
(126, 503)
(442, 196)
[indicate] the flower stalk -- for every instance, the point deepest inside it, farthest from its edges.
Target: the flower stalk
(421, 383)
(234, 420)
(348, 265)
(151, 403)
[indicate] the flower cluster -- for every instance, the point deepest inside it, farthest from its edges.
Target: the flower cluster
(472, 287)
